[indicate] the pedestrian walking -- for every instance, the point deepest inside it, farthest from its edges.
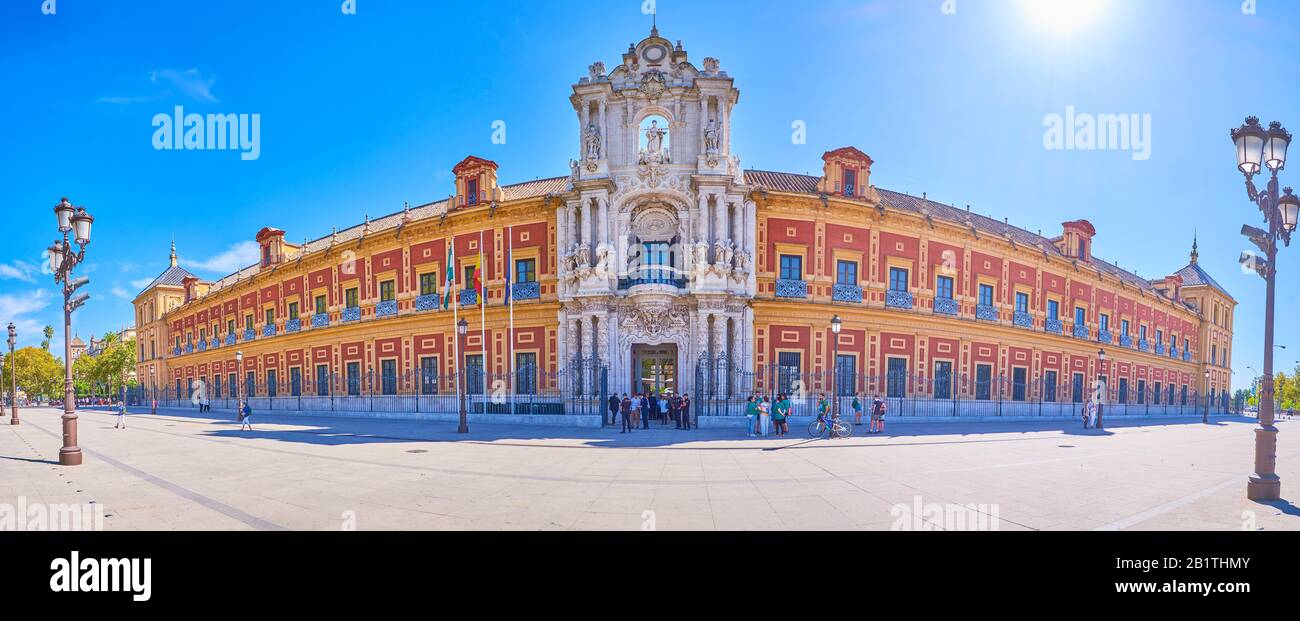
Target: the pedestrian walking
(614, 404)
(857, 410)
(878, 407)
(663, 411)
(644, 410)
(245, 417)
(685, 411)
(121, 416)
(625, 408)
(1087, 414)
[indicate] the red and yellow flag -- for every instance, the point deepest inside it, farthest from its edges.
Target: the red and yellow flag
(478, 278)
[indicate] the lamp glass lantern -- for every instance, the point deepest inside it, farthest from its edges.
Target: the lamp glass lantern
(1275, 147)
(1101, 355)
(462, 327)
(56, 256)
(63, 211)
(1289, 209)
(1249, 139)
(836, 325)
(81, 226)
(239, 356)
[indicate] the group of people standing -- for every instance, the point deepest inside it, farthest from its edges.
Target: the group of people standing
(639, 409)
(878, 409)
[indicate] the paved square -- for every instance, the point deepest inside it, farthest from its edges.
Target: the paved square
(177, 471)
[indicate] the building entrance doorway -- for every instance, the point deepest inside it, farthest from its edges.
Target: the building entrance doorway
(654, 369)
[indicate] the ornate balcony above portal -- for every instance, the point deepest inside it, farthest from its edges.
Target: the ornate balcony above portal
(1125, 340)
(628, 284)
(386, 309)
(268, 330)
(427, 303)
(794, 289)
(1104, 336)
(1054, 326)
(898, 299)
(469, 297)
(352, 314)
(522, 291)
(851, 294)
(945, 306)
(1081, 331)
(292, 326)
(320, 320)
(984, 312)
(1023, 320)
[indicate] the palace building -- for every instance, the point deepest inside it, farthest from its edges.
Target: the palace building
(659, 263)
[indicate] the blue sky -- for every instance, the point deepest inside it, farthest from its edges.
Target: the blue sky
(360, 113)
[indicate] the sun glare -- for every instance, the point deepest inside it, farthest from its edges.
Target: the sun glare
(1062, 16)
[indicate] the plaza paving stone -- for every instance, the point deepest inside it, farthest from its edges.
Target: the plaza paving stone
(182, 471)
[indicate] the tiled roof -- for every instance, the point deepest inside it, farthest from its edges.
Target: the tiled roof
(807, 184)
(173, 277)
(1194, 276)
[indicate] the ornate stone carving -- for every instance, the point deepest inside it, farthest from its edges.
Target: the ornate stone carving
(654, 152)
(593, 143)
(596, 71)
(712, 138)
(653, 84)
(711, 66)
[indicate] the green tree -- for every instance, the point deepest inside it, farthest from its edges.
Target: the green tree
(40, 374)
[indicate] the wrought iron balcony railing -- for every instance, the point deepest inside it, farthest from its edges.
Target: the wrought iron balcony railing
(176, 351)
(216, 342)
(1054, 326)
(1144, 345)
(469, 297)
(946, 306)
(230, 339)
(898, 299)
(1081, 331)
(386, 309)
(203, 345)
(794, 289)
(1160, 349)
(1187, 356)
(1022, 319)
(249, 334)
(985, 312)
(189, 348)
(320, 320)
(268, 330)
(292, 326)
(1125, 340)
(851, 294)
(528, 291)
(627, 283)
(429, 302)
(1173, 352)
(1104, 336)
(352, 313)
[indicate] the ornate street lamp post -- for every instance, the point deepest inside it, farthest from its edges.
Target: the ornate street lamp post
(1205, 418)
(239, 372)
(1258, 148)
(1101, 387)
(63, 260)
(153, 391)
(462, 329)
(836, 326)
(13, 372)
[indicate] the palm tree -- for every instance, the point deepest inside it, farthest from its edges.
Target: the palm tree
(49, 336)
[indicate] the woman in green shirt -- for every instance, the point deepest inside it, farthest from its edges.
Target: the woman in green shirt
(781, 412)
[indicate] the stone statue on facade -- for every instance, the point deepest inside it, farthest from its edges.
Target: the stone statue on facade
(712, 138)
(593, 142)
(654, 151)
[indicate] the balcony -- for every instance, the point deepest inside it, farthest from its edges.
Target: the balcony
(986, 312)
(293, 326)
(469, 297)
(1054, 326)
(203, 345)
(1104, 336)
(386, 309)
(189, 348)
(230, 339)
(849, 294)
(216, 342)
(1125, 340)
(320, 320)
(628, 283)
(945, 306)
(1081, 331)
(1160, 349)
(793, 289)
(1173, 352)
(1022, 319)
(898, 299)
(427, 303)
(268, 330)
(352, 314)
(176, 351)
(529, 291)
(1143, 345)
(1187, 356)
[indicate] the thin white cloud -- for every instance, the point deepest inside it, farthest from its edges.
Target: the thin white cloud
(17, 309)
(141, 283)
(119, 292)
(18, 270)
(190, 81)
(237, 257)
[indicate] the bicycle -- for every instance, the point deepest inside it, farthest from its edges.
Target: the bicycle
(840, 428)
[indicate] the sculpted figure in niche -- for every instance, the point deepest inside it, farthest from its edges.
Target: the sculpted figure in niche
(593, 142)
(712, 138)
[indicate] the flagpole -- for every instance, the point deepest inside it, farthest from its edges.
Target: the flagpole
(455, 314)
(482, 308)
(510, 303)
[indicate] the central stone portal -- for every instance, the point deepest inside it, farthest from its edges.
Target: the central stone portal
(655, 369)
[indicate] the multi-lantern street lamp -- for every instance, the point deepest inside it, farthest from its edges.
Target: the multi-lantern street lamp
(1101, 387)
(63, 260)
(836, 326)
(153, 392)
(462, 330)
(1205, 390)
(1257, 149)
(13, 374)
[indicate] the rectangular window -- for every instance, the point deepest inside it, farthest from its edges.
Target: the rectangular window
(1214, 354)
(1050, 382)
(428, 284)
(846, 384)
(270, 316)
(1123, 327)
(1160, 336)
(354, 379)
(898, 280)
(230, 381)
(388, 377)
(1019, 381)
(1183, 400)
(846, 273)
(474, 374)
(986, 295)
(526, 373)
(1123, 391)
(850, 182)
(1053, 309)
(1080, 316)
(295, 382)
(293, 310)
(943, 288)
(1142, 392)
(272, 387)
(322, 380)
(942, 379)
(896, 378)
(350, 298)
(1155, 396)
(216, 386)
(526, 271)
(321, 307)
(428, 376)
(471, 191)
(230, 326)
(248, 322)
(250, 384)
(1076, 388)
(983, 382)
(1022, 302)
(791, 267)
(1105, 322)
(789, 370)
(387, 291)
